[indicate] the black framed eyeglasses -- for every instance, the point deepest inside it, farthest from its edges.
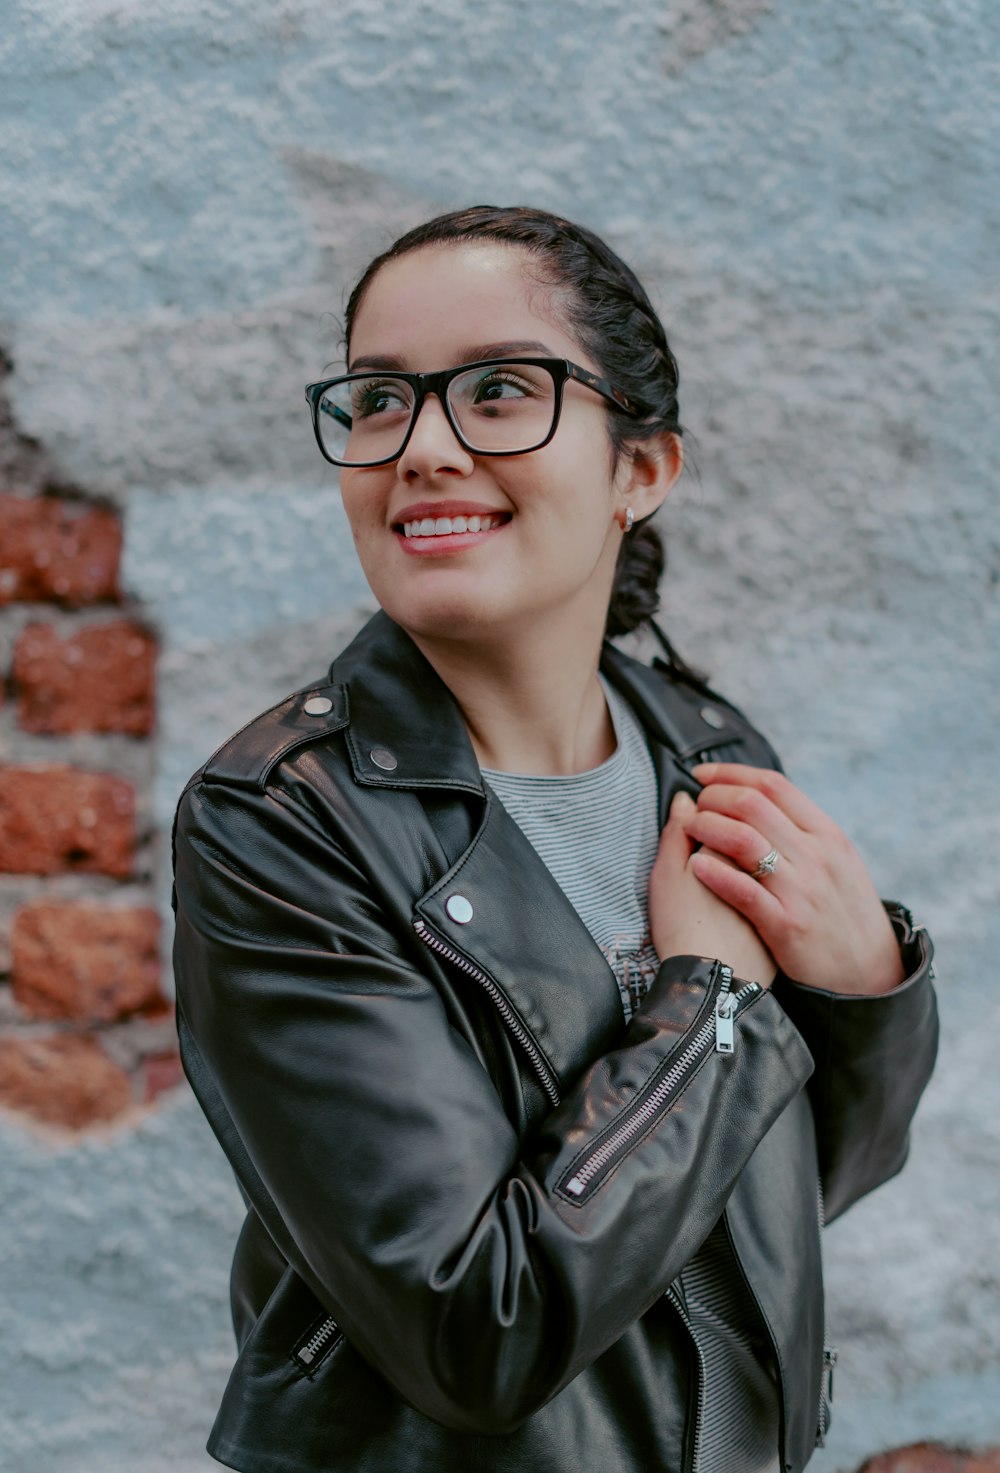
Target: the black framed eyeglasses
(499, 406)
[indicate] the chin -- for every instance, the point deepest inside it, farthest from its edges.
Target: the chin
(456, 614)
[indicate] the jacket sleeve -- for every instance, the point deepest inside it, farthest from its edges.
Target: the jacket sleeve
(470, 1268)
(874, 1055)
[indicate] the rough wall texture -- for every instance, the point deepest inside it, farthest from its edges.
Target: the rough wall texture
(812, 192)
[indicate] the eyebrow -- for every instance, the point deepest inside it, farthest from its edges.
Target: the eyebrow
(473, 354)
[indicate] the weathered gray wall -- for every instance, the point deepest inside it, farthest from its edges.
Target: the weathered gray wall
(812, 190)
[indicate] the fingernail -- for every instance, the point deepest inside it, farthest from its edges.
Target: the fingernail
(681, 802)
(703, 770)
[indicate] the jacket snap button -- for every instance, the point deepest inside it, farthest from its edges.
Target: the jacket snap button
(383, 758)
(712, 717)
(317, 706)
(459, 909)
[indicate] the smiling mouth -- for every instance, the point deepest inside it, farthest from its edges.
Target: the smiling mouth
(429, 527)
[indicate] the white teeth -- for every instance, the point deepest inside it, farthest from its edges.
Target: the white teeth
(445, 526)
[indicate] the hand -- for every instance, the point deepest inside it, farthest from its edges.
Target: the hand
(818, 914)
(686, 919)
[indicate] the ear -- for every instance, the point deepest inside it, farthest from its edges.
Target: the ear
(647, 471)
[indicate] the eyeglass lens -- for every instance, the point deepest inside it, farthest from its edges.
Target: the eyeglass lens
(502, 406)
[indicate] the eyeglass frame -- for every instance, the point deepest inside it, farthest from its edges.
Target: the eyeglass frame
(437, 383)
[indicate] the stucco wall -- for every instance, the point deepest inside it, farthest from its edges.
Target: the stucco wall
(812, 191)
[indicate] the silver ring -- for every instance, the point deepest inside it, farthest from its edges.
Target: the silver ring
(767, 865)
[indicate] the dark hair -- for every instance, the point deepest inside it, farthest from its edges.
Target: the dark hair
(610, 313)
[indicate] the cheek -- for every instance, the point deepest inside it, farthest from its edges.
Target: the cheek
(576, 476)
(364, 503)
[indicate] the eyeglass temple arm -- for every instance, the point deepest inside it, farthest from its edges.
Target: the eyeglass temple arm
(326, 406)
(601, 385)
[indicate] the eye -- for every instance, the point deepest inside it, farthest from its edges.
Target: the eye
(499, 384)
(493, 390)
(370, 397)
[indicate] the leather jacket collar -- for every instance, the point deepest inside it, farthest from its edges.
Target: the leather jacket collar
(396, 701)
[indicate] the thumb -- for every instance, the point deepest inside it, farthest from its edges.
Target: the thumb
(682, 805)
(674, 842)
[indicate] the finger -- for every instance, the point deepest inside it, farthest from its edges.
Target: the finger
(675, 846)
(737, 889)
(740, 842)
(802, 811)
(751, 807)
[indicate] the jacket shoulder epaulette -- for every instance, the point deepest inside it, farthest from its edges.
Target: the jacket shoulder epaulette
(706, 723)
(693, 720)
(247, 757)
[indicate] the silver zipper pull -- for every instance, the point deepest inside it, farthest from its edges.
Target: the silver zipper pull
(725, 1012)
(724, 1015)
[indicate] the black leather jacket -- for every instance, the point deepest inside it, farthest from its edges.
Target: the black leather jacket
(469, 1185)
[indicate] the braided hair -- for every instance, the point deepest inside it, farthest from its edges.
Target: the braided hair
(608, 310)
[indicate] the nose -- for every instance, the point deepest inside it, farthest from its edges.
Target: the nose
(433, 450)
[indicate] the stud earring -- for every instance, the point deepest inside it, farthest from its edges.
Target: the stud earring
(629, 519)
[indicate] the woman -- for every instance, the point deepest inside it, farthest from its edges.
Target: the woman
(486, 941)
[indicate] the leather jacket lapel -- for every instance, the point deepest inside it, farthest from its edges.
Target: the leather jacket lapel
(406, 730)
(500, 907)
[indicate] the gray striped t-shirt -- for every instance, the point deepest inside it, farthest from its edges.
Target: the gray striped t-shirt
(597, 832)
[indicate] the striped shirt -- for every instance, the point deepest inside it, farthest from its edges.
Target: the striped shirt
(597, 832)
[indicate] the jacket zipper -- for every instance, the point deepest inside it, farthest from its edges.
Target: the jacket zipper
(318, 1341)
(780, 1383)
(634, 1121)
(675, 1300)
(830, 1352)
(503, 1007)
(830, 1355)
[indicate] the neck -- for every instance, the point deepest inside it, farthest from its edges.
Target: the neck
(532, 702)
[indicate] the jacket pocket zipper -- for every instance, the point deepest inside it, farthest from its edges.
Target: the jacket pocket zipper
(317, 1340)
(510, 1018)
(635, 1120)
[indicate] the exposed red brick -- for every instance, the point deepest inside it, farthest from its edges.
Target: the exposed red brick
(930, 1457)
(58, 818)
(63, 1080)
(56, 550)
(99, 679)
(161, 1072)
(86, 962)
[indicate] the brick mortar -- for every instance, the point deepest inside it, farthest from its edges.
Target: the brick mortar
(122, 756)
